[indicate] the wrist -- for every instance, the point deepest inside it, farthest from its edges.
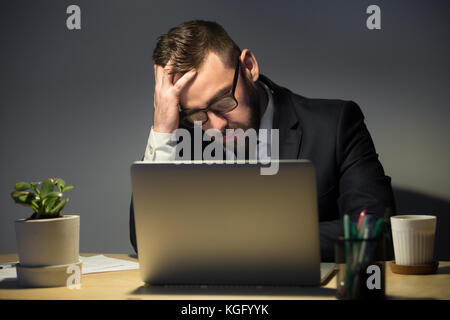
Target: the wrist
(164, 128)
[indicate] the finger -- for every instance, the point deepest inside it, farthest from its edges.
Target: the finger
(155, 71)
(168, 71)
(183, 81)
(158, 75)
(168, 76)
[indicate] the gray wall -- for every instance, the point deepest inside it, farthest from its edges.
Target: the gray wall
(78, 104)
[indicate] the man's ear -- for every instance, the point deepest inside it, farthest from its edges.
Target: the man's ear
(250, 65)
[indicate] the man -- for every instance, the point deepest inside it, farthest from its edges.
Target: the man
(202, 75)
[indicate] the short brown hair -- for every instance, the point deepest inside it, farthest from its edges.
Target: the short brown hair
(188, 44)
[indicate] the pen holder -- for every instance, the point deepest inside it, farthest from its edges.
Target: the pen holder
(361, 268)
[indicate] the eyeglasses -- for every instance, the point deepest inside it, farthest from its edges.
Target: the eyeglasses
(220, 106)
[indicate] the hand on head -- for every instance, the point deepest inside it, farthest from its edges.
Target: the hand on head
(166, 97)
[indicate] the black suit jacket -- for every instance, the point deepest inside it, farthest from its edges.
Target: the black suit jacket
(332, 134)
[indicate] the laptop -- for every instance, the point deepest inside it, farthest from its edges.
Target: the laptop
(206, 223)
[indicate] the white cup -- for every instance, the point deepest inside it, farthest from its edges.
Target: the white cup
(413, 237)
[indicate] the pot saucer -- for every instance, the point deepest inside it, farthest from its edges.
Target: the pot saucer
(49, 276)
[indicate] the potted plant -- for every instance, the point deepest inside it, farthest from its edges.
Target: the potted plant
(47, 241)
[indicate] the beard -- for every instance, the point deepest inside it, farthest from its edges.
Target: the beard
(254, 103)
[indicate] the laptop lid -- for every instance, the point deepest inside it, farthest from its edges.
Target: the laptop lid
(206, 223)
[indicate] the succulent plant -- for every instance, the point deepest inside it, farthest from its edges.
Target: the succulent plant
(46, 201)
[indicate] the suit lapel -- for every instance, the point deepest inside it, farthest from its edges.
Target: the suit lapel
(286, 120)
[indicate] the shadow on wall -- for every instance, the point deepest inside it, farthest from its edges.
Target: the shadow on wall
(411, 202)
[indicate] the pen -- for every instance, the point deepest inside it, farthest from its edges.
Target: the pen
(363, 246)
(347, 253)
(377, 228)
(354, 236)
(362, 253)
(354, 231)
(361, 218)
(362, 226)
(375, 234)
(346, 226)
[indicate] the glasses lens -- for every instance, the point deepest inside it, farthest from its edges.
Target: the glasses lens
(197, 116)
(225, 105)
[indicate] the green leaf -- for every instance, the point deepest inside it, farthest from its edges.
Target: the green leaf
(34, 206)
(54, 194)
(60, 183)
(46, 187)
(67, 188)
(34, 186)
(20, 196)
(22, 186)
(50, 203)
(59, 207)
(25, 199)
(41, 210)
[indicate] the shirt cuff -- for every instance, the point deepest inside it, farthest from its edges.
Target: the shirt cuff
(159, 147)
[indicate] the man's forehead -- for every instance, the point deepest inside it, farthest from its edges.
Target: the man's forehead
(212, 76)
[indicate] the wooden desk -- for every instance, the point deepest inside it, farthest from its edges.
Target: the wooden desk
(127, 285)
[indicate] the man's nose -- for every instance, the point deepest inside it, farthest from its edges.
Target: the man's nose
(216, 122)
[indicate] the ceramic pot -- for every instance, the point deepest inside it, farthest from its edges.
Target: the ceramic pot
(48, 252)
(46, 242)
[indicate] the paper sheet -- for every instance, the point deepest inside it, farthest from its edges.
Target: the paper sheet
(100, 263)
(94, 264)
(8, 271)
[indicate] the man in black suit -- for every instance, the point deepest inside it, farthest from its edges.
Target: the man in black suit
(201, 75)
